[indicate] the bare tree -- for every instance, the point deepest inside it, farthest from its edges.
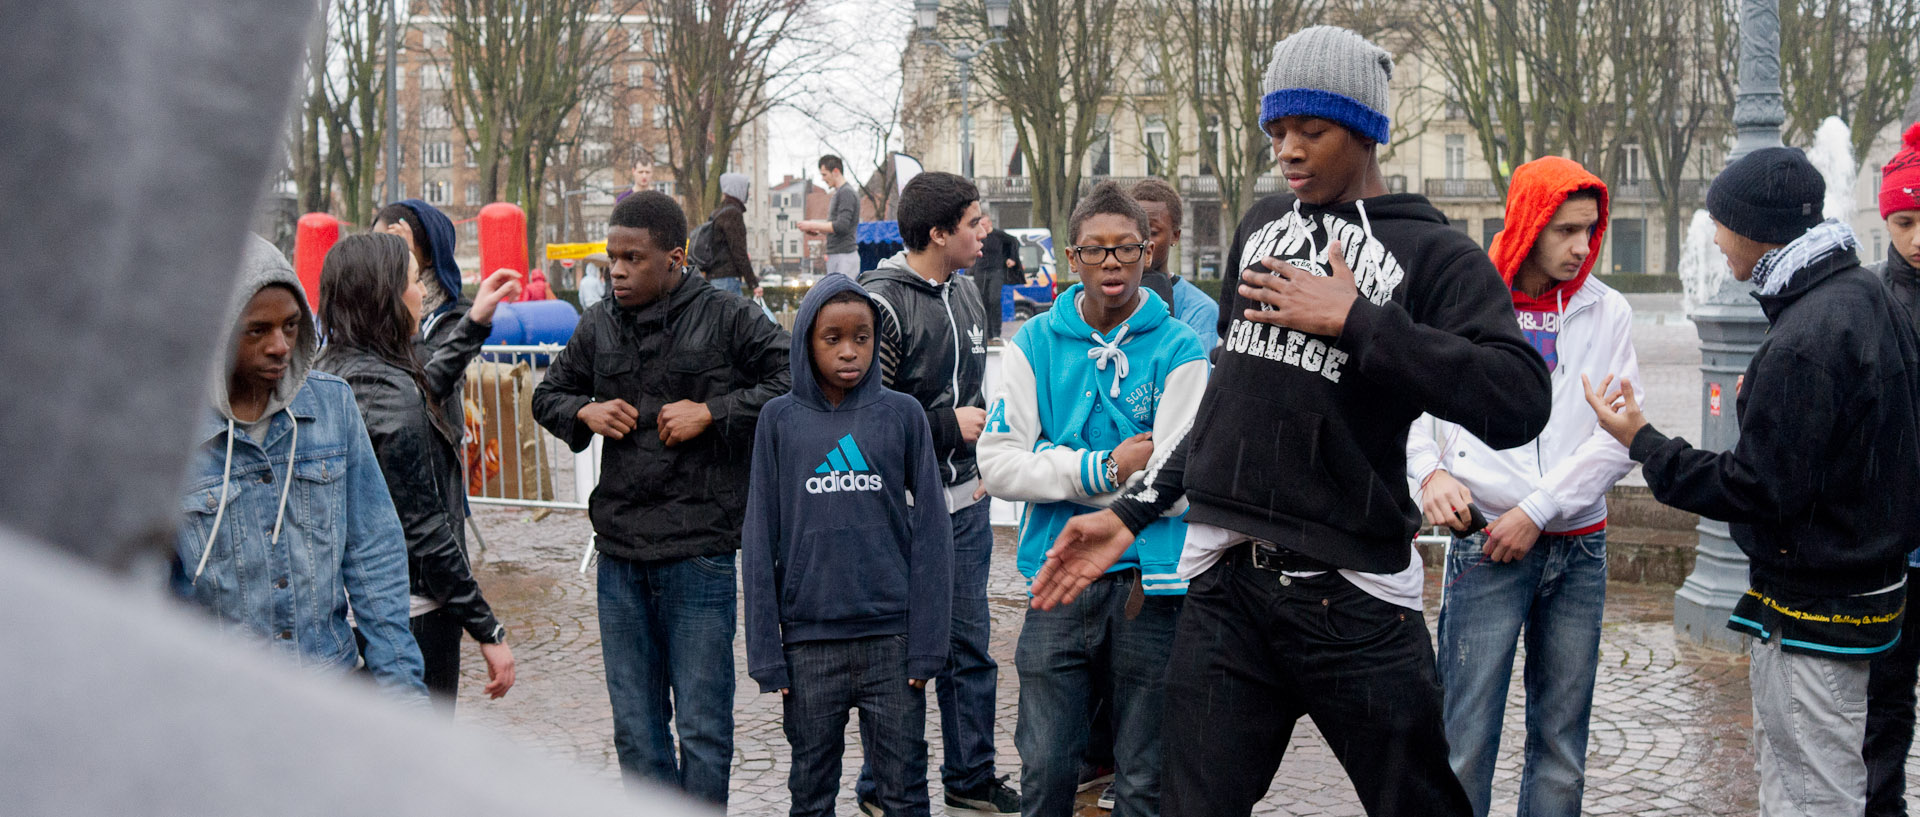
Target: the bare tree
(726, 64)
(1855, 59)
(1677, 86)
(1054, 76)
(307, 136)
(354, 99)
(520, 69)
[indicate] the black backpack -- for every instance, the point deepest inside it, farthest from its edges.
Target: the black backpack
(702, 255)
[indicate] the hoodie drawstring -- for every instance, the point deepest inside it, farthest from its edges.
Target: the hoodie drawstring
(1104, 351)
(226, 482)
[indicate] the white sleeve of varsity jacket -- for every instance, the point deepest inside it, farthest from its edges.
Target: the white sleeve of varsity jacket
(1017, 462)
(1179, 405)
(1423, 452)
(1580, 480)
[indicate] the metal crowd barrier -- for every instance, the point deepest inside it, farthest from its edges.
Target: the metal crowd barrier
(510, 459)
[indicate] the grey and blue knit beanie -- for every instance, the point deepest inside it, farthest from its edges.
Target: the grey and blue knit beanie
(1331, 73)
(1772, 195)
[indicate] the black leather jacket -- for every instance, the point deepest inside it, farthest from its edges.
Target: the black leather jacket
(436, 331)
(697, 343)
(421, 462)
(933, 349)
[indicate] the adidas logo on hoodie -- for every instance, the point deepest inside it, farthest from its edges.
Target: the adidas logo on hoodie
(844, 470)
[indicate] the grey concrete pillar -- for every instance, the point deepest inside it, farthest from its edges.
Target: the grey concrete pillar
(1731, 327)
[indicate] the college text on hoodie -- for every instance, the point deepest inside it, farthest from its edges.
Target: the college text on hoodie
(932, 347)
(1301, 439)
(420, 457)
(1068, 396)
(653, 501)
(1818, 488)
(846, 534)
(1560, 478)
(280, 528)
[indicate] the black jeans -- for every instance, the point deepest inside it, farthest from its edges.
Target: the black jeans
(1256, 650)
(990, 282)
(1890, 700)
(829, 679)
(438, 634)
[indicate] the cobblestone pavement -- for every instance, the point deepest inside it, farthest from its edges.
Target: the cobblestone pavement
(1669, 737)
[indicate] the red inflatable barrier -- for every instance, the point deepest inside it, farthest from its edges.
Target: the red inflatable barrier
(313, 236)
(503, 238)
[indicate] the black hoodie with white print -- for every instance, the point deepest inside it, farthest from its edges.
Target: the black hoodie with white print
(1300, 439)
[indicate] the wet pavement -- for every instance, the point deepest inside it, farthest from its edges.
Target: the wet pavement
(1670, 732)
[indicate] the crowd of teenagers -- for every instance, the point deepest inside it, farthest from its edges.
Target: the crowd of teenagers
(1220, 500)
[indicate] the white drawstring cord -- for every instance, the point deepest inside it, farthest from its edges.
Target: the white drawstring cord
(1104, 351)
(226, 481)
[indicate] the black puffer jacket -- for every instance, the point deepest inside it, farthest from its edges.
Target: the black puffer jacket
(933, 349)
(697, 343)
(421, 461)
(1901, 280)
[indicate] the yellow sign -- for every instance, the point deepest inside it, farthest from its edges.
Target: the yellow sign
(559, 252)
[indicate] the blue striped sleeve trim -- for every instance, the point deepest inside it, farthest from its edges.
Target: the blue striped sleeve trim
(1808, 645)
(1326, 105)
(1086, 482)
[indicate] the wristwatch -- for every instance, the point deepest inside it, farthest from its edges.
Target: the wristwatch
(497, 636)
(1110, 469)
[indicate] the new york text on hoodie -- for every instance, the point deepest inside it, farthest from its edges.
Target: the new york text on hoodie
(1301, 440)
(846, 534)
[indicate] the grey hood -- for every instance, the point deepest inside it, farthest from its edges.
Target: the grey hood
(262, 266)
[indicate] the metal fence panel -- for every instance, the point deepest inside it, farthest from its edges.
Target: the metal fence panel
(510, 459)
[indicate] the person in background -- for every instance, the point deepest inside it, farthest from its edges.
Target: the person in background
(1890, 683)
(732, 271)
(1817, 490)
(846, 559)
(642, 175)
(1190, 304)
(671, 373)
(250, 553)
(429, 233)
(370, 305)
(843, 215)
(1541, 566)
(999, 263)
(593, 279)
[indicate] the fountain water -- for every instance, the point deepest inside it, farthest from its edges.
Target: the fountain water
(1703, 268)
(1832, 155)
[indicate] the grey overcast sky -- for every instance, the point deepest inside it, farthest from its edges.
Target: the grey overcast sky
(841, 109)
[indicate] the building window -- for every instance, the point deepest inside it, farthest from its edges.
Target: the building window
(1630, 168)
(1210, 146)
(1010, 148)
(1629, 236)
(596, 231)
(437, 154)
(1156, 144)
(663, 187)
(1101, 163)
(437, 116)
(636, 114)
(473, 194)
(599, 114)
(1456, 156)
(659, 41)
(433, 38)
(637, 74)
(1490, 228)
(636, 39)
(660, 75)
(434, 77)
(594, 153)
(438, 192)
(660, 117)
(473, 157)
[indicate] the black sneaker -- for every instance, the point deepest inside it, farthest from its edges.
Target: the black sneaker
(870, 808)
(995, 797)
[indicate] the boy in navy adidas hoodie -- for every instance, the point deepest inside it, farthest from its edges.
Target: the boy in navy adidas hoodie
(847, 559)
(1087, 391)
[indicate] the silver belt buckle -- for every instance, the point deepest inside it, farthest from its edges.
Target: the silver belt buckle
(1266, 555)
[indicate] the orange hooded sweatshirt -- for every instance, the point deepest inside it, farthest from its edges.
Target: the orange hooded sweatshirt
(1535, 193)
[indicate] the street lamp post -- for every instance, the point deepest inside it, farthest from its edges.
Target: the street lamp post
(1731, 327)
(927, 19)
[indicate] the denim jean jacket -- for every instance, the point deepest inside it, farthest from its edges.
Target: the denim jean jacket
(340, 539)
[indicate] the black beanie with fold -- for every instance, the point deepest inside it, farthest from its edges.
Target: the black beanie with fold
(1772, 195)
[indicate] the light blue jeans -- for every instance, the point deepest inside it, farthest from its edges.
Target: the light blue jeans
(1555, 596)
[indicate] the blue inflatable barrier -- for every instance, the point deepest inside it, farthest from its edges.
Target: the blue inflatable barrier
(531, 323)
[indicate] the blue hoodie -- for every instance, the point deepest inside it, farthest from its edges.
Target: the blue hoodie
(834, 545)
(440, 243)
(1068, 396)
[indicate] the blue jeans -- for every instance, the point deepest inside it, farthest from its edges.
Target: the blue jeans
(1555, 594)
(1059, 652)
(666, 634)
(965, 689)
(727, 284)
(831, 677)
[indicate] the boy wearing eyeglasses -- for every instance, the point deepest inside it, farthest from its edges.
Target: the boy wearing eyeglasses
(1085, 388)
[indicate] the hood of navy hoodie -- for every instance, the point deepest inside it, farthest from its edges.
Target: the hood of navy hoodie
(806, 385)
(440, 244)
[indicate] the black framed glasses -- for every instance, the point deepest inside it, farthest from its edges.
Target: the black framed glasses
(1125, 253)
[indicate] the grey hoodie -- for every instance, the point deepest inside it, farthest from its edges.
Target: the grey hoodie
(262, 266)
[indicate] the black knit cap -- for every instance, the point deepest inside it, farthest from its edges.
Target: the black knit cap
(1772, 195)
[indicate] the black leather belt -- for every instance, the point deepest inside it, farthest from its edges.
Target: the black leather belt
(1269, 556)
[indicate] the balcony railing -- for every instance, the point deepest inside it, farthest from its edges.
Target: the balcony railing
(1463, 189)
(1690, 191)
(1020, 188)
